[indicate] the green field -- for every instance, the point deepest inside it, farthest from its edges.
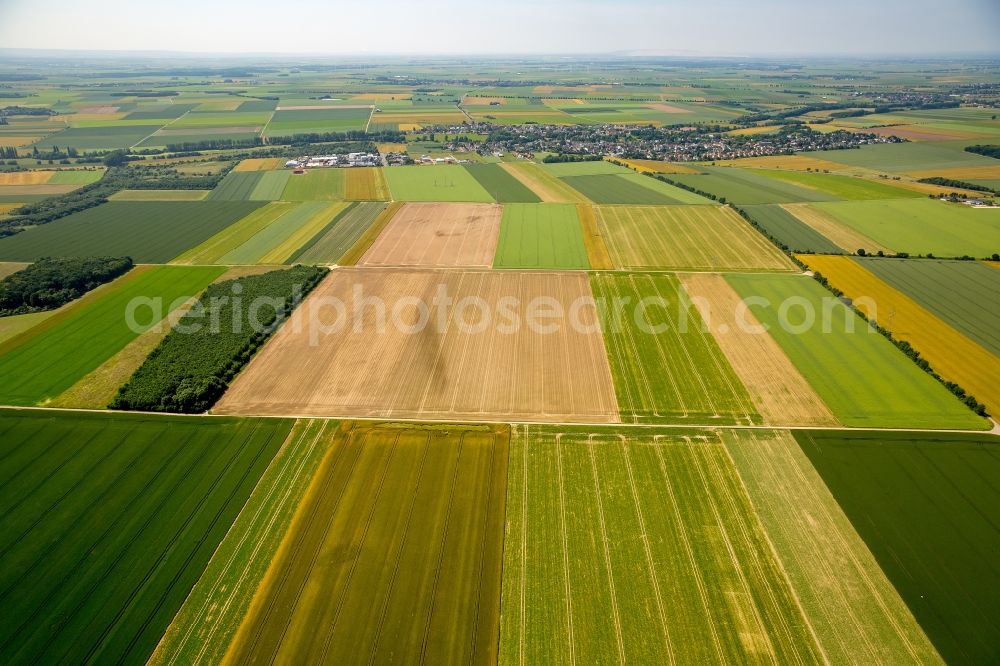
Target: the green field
(639, 547)
(903, 157)
(503, 186)
(922, 226)
(541, 236)
(49, 358)
(315, 185)
(620, 189)
(842, 187)
(149, 232)
(789, 230)
(318, 121)
(741, 186)
(270, 186)
(924, 505)
(964, 294)
(675, 375)
(236, 186)
(395, 554)
(108, 521)
(108, 137)
(75, 177)
(341, 235)
(591, 168)
(860, 375)
(212, 250)
(272, 233)
(242, 559)
(435, 183)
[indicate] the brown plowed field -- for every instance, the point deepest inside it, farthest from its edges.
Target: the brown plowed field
(438, 234)
(450, 369)
(779, 392)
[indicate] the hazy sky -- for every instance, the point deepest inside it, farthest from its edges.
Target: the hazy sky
(698, 27)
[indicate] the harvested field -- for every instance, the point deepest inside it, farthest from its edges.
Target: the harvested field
(667, 368)
(366, 237)
(779, 392)
(952, 355)
(924, 504)
(846, 238)
(45, 190)
(342, 234)
(159, 195)
(628, 546)
(11, 268)
(7, 207)
(25, 178)
(540, 236)
(548, 188)
(862, 377)
(431, 501)
(109, 520)
(261, 164)
(855, 612)
(593, 240)
(686, 238)
(438, 235)
(452, 368)
(365, 184)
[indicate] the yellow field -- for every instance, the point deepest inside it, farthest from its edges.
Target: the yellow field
(261, 164)
(654, 166)
(951, 354)
(548, 188)
(17, 141)
(365, 184)
(7, 207)
(25, 177)
(473, 100)
(303, 234)
(391, 147)
(409, 127)
(597, 250)
(763, 129)
(791, 162)
(989, 172)
(826, 225)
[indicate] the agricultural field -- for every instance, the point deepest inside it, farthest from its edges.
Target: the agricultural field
(844, 238)
(922, 226)
(430, 500)
(629, 189)
(104, 137)
(315, 185)
(541, 236)
(149, 232)
(789, 230)
(965, 294)
(917, 156)
(952, 355)
(667, 368)
(919, 501)
(425, 234)
(365, 184)
(159, 195)
(742, 186)
(157, 497)
(861, 376)
(450, 368)
(270, 186)
(504, 187)
(547, 187)
(345, 230)
(685, 238)
(779, 392)
(435, 183)
(275, 239)
(850, 188)
(640, 546)
(212, 250)
(47, 359)
(855, 613)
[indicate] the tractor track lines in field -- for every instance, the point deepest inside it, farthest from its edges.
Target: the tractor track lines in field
(570, 640)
